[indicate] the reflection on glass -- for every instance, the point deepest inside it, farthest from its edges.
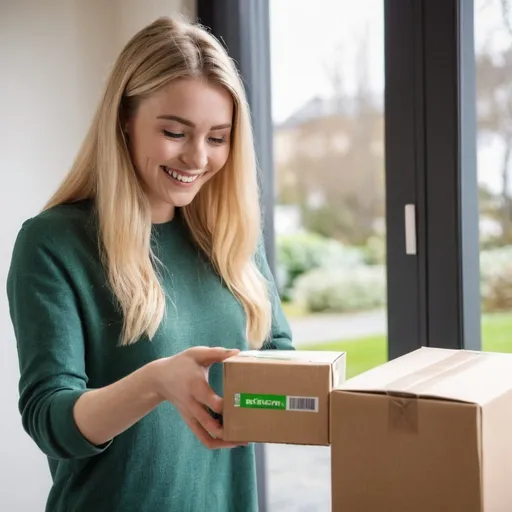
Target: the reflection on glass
(328, 111)
(493, 46)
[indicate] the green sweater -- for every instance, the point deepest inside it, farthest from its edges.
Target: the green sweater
(67, 329)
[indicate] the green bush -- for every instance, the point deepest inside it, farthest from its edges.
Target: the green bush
(302, 252)
(323, 275)
(341, 290)
(496, 279)
(375, 250)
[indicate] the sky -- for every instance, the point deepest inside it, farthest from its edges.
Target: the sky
(308, 36)
(304, 40)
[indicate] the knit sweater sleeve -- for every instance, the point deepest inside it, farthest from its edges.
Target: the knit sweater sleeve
(281, 334)
(49, 333)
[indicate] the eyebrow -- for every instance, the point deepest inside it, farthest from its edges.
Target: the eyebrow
(186, 122)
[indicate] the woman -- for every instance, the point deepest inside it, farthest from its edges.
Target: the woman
(143, 271)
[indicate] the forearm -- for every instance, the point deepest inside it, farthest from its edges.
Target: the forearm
(102, 414)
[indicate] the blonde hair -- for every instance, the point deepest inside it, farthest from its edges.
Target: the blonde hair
(224, 218)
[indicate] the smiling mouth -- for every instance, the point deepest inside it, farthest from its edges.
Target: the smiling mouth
(182, 178)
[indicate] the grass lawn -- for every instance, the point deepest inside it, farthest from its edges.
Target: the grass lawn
(365, 353)
(292, 310)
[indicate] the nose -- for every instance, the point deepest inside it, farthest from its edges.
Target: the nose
(195, 156)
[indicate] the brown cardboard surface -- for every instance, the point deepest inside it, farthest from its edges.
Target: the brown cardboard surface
(430, 431)
(302, 379)
(440, 373)
(497, 453)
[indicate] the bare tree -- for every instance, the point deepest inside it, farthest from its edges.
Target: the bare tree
(339, 155)
(505, 14)
(494, 88)
(334, 71)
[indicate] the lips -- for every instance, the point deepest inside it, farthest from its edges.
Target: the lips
(180, 176)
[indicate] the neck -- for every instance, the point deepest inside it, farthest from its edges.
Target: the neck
(162, 213)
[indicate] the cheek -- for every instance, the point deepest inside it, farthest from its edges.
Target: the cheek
(154, 150)
(161, 150)
(219, 158)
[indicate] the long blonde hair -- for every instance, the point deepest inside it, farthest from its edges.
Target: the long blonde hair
(224, 218)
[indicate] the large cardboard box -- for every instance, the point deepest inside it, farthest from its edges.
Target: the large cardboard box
(427, 432)
(280, 396)
(430, 431)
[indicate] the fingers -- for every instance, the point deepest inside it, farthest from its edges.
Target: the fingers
(204, 394)
(206, 356)
(197, 395)
(205, 437)
(204, 418)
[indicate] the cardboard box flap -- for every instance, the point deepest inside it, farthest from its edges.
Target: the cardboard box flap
(458, 375)
(293, 356)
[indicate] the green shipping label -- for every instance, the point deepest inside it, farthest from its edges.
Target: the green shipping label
(276, 402)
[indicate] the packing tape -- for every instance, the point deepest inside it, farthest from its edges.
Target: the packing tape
(404, 392)
(403, 414)
(418, 383)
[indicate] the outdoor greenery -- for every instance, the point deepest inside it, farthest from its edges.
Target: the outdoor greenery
(496, 279)
(328, 289)
(366, 353)
(303, 252)
(323, 274)
(319, 274)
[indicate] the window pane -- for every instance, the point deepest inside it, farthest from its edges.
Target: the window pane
(493, 45)
(328, 113)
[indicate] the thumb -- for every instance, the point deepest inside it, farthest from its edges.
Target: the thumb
(206, 356)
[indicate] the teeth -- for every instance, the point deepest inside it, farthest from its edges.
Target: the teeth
(180, 177)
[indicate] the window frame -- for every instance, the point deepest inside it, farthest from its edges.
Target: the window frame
(430, 99)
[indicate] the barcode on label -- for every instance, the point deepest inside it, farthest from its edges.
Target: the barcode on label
(302, 403)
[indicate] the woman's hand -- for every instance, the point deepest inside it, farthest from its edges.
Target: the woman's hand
(183, 381)
(101, 414)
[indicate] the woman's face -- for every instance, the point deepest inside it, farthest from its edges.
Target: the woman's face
(179, 137)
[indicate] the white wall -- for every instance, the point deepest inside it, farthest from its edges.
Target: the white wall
(54, 57)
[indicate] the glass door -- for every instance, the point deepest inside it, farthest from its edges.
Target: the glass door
(327, 69)
(493, 47)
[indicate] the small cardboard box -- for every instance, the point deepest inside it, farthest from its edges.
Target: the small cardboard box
(429, 431)
(280, 396)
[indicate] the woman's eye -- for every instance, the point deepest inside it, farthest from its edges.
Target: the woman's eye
(215, 140)
(173, 135)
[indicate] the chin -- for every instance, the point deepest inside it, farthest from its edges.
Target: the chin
(181, 200)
